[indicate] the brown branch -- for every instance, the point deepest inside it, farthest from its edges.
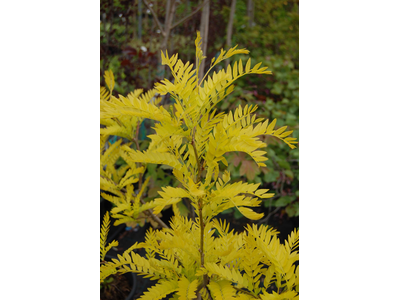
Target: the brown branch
(155, 17)
(244, 291)
(202, 225)
(136, 139)
(168, 22)
(201, 233)
(117, 120)
(190, 15)
(197, 157)
(200, 205)
(154, 217)
(204, 28)
(265, 220)
(200, 287)
(230, 29)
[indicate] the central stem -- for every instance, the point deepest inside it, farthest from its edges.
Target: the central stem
(136, 140)
(197, 156)
(201, 221)
(201, 232)
(202, 254)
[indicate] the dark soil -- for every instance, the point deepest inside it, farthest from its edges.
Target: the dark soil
(126, 238)
(118, 289)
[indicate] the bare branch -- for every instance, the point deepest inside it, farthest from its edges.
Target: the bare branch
(190, 15)
(230, 29)
(155, 17)
(265, 220)
(154, 217)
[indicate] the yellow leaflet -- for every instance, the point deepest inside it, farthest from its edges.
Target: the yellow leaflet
(109, 77)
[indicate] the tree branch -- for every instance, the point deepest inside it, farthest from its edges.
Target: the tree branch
(136, 139)
(265, 220)
(202, 225)
(230, 29)
(190, 15)
(197, 157)
(155, 17)
(154, 217)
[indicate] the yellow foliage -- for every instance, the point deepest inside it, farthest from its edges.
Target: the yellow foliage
(195, 256)
(105, 227)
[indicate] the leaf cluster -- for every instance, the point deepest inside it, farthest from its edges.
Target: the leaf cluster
(249, 265)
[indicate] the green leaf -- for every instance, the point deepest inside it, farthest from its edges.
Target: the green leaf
(292, 209)
(289, 174)
(236, 213)
(285, 200)
(277, 88)
(271, 176)
(228, 211)
(182, 209)
(284, 164)
(225, 105)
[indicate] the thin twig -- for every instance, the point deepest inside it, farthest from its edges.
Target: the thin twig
(190, 15)
(117, 288)
(155, 17)
(265, 220)
(202, 225)
(282, 182)
(201, 221)
(118, 121)
(136, 139)
(154, 217)
(244, 291)
(197, 156)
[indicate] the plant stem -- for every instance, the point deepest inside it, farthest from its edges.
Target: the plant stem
(197, 157)
(155, 17)
(245, 292)
(136, 139)
(190, 15)
(201, 221)
(154, 217)
(265, 220)
(202, 225)
(118, 121)
(201, 232)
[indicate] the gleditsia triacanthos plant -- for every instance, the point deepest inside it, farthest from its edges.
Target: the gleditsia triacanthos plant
(201, 258)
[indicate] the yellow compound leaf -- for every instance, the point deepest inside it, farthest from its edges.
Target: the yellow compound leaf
(187, 289)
